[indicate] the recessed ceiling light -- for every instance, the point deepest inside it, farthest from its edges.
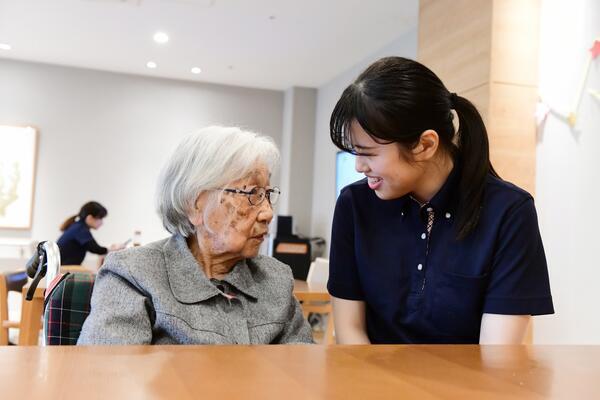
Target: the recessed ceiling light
(196, 70)
(151, 65)
(161, 37)
(4, 46)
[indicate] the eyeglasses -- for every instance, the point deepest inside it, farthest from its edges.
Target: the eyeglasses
(257, 195)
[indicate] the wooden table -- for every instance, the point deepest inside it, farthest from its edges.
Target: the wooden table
(304, 287)
(301, 372)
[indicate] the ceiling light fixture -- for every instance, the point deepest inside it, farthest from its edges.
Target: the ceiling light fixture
(151, 65)
(4, 46)
(161, 37)
(196, 70)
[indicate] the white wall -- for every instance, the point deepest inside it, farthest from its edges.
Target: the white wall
(323, 201)
(104, 136)
(568, 173)
(297, 157)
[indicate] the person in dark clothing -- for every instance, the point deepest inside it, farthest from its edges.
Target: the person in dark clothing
(77, 239)
(432, 246)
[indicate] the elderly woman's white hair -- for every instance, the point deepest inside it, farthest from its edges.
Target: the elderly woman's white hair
(207, 159)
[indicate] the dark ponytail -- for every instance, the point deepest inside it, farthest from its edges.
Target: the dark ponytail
(395, 100)
(474, 154)
(92, 208)
(68, 222)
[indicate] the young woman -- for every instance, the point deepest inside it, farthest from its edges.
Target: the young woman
(432, 247)
(77, 239)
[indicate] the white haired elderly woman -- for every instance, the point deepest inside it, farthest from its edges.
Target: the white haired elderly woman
(206, 283)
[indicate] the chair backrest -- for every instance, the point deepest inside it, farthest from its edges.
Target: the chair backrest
(294, 252)
(318, 272)
(318, 302)
(67, 305)
(9, 281)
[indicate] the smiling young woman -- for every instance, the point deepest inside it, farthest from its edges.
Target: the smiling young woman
(432, 247)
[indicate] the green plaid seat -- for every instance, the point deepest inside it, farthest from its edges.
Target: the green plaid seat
(66, 307)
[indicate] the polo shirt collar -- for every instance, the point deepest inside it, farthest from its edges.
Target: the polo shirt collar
(445, 200)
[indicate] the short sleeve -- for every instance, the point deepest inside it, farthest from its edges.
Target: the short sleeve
(519, 283)
(344, 281)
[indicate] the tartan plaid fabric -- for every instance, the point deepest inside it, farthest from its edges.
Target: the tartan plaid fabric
(67, 307)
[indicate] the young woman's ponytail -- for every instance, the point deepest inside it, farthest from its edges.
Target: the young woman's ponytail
(474, 155)
(68, 222)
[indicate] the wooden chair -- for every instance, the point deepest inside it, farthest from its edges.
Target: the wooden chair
(318, 302)
(9, 281)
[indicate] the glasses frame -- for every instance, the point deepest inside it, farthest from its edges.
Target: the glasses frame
(252, 191)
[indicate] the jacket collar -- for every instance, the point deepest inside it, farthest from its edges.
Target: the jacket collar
(187, 280)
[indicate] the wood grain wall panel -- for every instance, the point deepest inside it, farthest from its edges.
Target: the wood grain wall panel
(511, 128)
(480, 97)
(486, 50)
(515, 42)
(455, 41)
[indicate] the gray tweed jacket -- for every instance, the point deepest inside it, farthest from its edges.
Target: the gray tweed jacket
(157, 294)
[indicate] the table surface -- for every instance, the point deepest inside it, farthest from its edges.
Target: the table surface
(301, 372)
(303, 286)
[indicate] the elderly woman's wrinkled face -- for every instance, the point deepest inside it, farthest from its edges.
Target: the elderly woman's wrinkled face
(233, 225)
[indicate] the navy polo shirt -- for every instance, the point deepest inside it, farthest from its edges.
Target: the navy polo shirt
(75, 242)
(421, 288)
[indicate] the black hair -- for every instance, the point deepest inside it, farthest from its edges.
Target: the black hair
(92, 208)
(395, 100)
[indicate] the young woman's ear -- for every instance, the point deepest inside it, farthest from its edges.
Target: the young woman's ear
(427, 146)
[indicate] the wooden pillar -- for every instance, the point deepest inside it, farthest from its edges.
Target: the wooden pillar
(487, 51)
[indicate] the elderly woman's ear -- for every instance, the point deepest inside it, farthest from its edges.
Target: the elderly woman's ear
(196, 214)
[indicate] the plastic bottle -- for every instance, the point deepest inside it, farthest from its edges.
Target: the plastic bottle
(137, 238)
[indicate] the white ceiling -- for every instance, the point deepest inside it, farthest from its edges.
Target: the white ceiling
(271, 44)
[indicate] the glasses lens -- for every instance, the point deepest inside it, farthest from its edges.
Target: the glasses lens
(274, 195)
(257, 196)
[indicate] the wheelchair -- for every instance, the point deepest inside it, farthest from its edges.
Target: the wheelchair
(67, 296)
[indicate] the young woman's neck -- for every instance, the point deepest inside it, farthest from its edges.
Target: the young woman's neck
(434, 176)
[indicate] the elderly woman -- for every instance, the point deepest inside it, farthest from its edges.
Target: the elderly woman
(206, 283)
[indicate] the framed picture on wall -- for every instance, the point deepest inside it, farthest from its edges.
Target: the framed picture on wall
(18, 152)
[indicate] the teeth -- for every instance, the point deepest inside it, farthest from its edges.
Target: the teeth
(373, 180)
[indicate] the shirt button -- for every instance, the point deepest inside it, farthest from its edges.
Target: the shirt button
(423, 236)
(429, 209)
(420, 267)
(448, 215)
